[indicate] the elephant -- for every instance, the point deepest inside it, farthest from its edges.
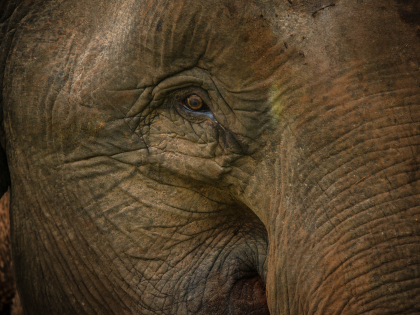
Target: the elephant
(212, 157)
(7, 288)
(9, 300)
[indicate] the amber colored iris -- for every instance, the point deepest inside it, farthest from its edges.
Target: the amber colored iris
(194, 102)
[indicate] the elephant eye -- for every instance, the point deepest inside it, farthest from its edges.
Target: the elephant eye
(195, 103)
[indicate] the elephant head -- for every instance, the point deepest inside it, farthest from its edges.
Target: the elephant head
(213, 157)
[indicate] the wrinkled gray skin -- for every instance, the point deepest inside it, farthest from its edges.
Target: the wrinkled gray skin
(296, 191)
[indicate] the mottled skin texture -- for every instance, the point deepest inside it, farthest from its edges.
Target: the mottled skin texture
(296, 192)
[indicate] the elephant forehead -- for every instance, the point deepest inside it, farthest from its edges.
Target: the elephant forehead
(152, 40)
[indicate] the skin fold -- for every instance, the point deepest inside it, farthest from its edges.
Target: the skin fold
(294, 190)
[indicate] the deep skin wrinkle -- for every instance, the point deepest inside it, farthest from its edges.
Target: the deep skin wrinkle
(296, 192)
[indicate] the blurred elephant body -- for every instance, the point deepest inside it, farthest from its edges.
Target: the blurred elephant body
(7, 285)
(9, 300)
(223, 157)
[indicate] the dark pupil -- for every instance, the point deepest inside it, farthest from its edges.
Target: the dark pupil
(194, 102)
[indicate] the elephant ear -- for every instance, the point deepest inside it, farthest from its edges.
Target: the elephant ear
(11, 13)
(7, 9)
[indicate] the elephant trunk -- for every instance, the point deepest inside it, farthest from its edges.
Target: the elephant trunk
(341, 205)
